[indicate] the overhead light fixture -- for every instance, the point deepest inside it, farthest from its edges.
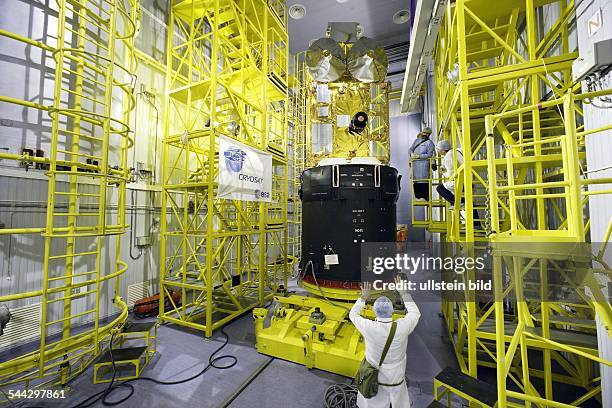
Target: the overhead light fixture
(297, 11)
(342, 1)
(401, 17)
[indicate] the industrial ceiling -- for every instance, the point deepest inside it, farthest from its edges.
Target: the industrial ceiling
(376, 17)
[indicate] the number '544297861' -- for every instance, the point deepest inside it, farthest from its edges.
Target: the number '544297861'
(36, 394)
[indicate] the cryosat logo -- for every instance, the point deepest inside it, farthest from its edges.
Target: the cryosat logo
(234, 158)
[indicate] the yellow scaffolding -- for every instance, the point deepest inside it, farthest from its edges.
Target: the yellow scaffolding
(87, 171)
(227, 74)
(516, 114)
(432, 210)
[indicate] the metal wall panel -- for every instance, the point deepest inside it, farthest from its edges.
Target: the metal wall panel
(23, 204)
(30, 75)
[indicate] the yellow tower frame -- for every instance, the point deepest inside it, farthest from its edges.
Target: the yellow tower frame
(516, 114)
(87, 171)
(227, 74)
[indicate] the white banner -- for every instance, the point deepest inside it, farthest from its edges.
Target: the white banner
(245, 173)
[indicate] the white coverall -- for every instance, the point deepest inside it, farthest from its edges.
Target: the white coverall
(393, 369)
(448, 169)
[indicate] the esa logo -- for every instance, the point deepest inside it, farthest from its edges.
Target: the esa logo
(262, 194)
(234, 158)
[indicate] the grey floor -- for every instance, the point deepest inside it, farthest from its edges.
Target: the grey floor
(182, 353)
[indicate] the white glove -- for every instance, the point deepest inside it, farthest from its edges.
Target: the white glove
(415, 155)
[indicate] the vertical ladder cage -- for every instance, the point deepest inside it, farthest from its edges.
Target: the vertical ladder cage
(87, 175)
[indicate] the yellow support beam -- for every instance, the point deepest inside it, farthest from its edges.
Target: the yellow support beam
(224, 256)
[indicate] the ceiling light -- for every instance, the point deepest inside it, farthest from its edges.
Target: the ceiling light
(297, 11)
(342, 1)
(401, 17)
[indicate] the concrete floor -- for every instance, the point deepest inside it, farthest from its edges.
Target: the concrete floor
(181, 353)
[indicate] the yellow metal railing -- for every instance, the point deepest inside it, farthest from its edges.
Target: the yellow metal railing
(429, 214)
(563, 153)
(87, 174)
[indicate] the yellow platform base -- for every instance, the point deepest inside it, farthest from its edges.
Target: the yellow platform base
(292, 334)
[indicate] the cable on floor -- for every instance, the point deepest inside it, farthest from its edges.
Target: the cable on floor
(341, 396)
(246, 383)
(213, 362)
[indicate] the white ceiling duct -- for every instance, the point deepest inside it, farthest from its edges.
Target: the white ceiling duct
(427, 20)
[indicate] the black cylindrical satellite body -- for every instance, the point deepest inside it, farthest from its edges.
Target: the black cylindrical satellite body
(344, 206)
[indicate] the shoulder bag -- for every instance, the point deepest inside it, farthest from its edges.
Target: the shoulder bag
(367, 375)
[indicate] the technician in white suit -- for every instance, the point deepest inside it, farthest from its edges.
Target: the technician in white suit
(375, 332)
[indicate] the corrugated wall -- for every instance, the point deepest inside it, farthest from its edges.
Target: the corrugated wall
(27, 74)
(23, 204)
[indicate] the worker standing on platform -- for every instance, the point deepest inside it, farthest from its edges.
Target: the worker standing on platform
(392, 372)
(421, 151)
(446, 189)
